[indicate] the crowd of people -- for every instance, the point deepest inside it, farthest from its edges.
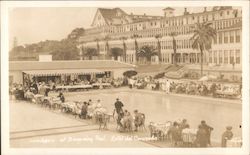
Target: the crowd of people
(82, 109)
(187, 87)
(200, 137)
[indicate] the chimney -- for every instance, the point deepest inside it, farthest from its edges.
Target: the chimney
(205, 9)
(144, 14)
(185, 11)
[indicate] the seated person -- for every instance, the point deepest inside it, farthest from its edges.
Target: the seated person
(61, 96)
(139, 119)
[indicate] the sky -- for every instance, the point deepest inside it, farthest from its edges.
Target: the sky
(31, 25)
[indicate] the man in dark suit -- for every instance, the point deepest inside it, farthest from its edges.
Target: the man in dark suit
(118, 106)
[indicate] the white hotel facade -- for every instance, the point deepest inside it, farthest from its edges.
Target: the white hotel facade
(116, 28)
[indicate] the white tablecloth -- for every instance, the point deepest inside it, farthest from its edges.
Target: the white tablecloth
(235, 142)
(74, 87)
(189, 135)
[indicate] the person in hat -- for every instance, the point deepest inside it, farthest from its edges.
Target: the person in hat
(90, 102)
(183, 124)
(201, 137)
(61, 96)
(208, 130)
(84, 110)
(227, 135)
(118, 106)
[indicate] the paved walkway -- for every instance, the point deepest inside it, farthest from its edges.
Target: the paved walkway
(34, 126)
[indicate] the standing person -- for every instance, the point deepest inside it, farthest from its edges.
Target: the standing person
(201, 137)
(175, 133)
(84, 110)
(208, 130)
(118, 106)
(61, 96)
(227, 135)
(183, 124)
(34, 85)
(167, 87)
(139, 119)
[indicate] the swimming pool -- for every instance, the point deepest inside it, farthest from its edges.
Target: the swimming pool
(161, 107)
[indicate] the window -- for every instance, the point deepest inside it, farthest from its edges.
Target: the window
(231, 56)
(231, 36)
(237, 56)
(236, 14)
(215, 39)
(220, 38)
(210, 56)
(225, 57)
(227, 12)
(220, 57)
(226, 37)
(215, 57)
(237, 36)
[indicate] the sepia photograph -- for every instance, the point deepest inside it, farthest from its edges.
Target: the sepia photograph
(126, 76)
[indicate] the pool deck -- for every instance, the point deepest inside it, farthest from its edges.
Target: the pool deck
(39, 130)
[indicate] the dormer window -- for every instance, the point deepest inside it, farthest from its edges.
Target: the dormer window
(221, 13)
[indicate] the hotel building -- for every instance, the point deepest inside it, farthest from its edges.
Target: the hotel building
(115, 28)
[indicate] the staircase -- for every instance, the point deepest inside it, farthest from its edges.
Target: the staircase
(152, 68)
(175, 72)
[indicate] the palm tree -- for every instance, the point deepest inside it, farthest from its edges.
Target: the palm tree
(146, 52)
(116, 52)
(124, 48)
(174, 46)
(90, 52)
(158, 36)
(202, 39)
(106, 38)
(136, 44)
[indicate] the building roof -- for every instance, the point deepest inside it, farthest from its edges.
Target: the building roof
(168, 8)
(110, 13)
(53, 65)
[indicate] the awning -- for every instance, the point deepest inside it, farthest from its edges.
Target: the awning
(63, 72)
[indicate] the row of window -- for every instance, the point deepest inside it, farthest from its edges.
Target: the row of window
(220, 24)
(225, 57)
(228, 37)
(221, 38)
(178, 30)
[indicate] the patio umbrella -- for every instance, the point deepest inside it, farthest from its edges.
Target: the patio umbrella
(130, 73)
(208, 77)
(159, 75)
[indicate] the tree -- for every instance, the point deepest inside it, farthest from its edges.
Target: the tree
(124, 48)
(202, 39)
(115, 52)
(65, 50)
(76, 33)
(159, 46)
(174, 47)
(90, 52)
(146, 52)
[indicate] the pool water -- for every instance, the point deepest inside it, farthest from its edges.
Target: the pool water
(160, 107)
